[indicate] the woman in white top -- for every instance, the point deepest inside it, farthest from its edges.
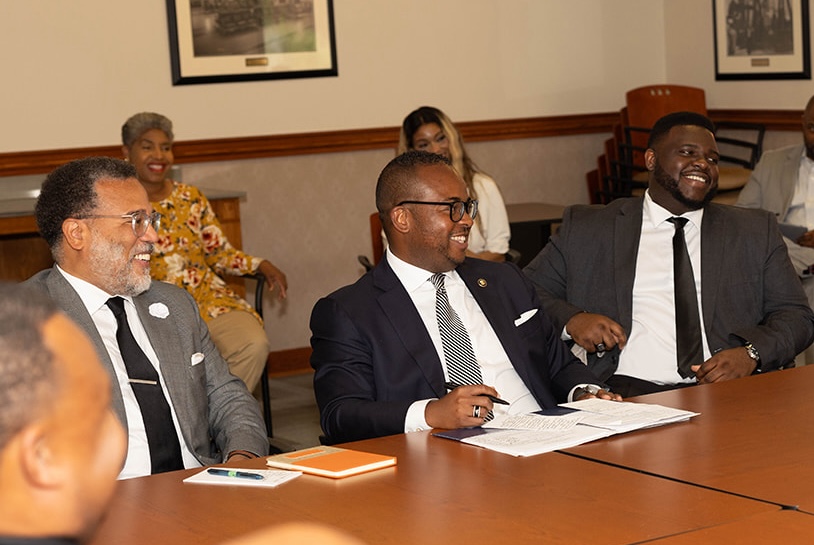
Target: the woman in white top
(429, 129)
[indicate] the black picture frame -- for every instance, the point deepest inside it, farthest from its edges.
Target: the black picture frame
(219, 41)
(756, 42)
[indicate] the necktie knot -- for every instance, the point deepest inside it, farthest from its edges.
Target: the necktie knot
(678, 222)
(437, 280)
(116, 304)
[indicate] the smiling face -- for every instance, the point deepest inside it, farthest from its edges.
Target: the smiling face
(433, 241)
(152, 156)
(684, 169)
(118, 261)
(430, 137)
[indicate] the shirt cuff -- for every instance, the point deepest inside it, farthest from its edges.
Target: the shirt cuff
(415, 416)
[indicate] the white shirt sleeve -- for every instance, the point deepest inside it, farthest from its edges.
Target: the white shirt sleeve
(493, 220)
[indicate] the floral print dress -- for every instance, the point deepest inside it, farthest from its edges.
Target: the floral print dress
(192, 253)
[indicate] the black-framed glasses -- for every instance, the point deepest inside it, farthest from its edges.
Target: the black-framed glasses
(140, 221)
(456, 208)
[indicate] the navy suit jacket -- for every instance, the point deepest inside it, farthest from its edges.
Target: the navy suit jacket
(749, 291)
(373, 356)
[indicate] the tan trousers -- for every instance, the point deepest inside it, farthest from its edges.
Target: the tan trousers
(242, 342)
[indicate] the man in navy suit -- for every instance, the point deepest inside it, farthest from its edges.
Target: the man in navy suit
(377, 350)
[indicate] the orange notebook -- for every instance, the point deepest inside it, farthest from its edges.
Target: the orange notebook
(331, 462)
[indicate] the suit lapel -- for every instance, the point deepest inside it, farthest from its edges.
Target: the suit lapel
(713, 253)
(399, 309)
(164, 340)
(627, 231)
(63, 294)
(490, 297)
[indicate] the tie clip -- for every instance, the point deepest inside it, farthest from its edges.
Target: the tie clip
(142, 381)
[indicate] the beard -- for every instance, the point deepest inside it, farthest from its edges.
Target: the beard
(671, 185)
(122, 279)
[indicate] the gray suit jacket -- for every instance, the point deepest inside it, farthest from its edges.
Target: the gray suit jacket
(771, 187)
(215, 411)
(749, 289)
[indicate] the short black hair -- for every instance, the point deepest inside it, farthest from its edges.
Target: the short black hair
(69, 191)
(675, 119)
(397, 180)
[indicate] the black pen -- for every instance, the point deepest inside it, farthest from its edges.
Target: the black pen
(233, 473)
(493, 399)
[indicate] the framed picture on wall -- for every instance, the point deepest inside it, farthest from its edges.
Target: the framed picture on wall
(761, 39)
(214, 41)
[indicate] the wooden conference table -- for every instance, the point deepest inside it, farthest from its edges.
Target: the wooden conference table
(726, 473)
(754, 437)
(440, 492)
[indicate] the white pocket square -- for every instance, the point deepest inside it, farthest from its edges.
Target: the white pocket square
(525, 317)
(197, 358)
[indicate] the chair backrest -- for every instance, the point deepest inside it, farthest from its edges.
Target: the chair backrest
(645, 105)
(376, 237)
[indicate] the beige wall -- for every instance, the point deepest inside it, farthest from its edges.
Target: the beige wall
(75, 70)
(690, 61)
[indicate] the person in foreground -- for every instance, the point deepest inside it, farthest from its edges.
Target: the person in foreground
(60, 445)
(429, 129)
(174, 393)
(192, 251)
(608, 281)
(384, 347)
(781, 183)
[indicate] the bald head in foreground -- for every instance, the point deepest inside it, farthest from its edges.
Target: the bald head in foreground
(61, 446)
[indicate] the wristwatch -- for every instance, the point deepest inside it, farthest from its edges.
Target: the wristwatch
(754, 354)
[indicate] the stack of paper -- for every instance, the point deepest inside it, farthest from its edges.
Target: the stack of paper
(567, 426)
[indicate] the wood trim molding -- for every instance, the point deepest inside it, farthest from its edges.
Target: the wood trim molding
(253, 147)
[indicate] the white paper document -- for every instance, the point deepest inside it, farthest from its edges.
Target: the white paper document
(625, 416)
(271, 477)
(529, 443)
(569, 425)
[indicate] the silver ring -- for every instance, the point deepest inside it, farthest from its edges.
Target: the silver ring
(475, 411)
(600, 347)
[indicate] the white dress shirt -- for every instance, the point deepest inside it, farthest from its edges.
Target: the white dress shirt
(650, 352)
(137, 462)
(496, 369)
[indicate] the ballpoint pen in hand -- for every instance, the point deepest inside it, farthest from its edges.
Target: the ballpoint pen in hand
(493, 399)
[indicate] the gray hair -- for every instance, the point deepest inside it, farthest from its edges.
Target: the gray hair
(27, 378)
(140, 123)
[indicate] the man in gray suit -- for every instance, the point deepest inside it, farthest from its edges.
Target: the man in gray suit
(783, 183)
(606, 279)
(184, 408)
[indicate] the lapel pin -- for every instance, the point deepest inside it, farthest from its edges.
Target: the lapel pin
(482, 282)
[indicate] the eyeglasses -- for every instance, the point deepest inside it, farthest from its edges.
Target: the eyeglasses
(456, 208)
(140, 221)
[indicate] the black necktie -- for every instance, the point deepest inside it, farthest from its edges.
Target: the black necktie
(165, 451)
(688, 322)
